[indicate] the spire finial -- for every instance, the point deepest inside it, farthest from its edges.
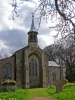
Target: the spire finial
(32, 25)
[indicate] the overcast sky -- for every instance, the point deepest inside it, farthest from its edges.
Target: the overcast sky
(13, 33)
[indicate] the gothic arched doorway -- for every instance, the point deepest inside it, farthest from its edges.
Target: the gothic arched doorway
(34, 71)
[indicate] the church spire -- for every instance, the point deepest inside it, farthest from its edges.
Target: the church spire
(32, 34)
(32, 25)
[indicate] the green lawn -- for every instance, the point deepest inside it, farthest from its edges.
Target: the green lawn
(24, 94)
(19, 94)
(38, 92)
(68, 93)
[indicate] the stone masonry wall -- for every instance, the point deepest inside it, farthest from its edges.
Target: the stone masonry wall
(43, 65)
(20, 68)
(47, 68)
(27, 52)
(2, 64)
(45, 58)
(57, 71)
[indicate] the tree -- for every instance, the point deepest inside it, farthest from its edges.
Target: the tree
(63, 53)
(60, 12)
(50, 50)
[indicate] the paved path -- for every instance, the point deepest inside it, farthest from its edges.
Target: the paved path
(42, 98)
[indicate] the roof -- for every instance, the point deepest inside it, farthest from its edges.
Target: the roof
(32, 25)
(53, 64)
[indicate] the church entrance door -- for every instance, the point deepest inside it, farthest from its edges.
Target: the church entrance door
(34, 79)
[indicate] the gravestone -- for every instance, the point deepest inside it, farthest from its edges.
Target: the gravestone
(9, 85)
(59, 85)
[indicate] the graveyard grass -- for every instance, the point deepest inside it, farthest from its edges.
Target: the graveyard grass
(68, 93)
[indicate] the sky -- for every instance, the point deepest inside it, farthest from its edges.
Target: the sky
(13, 33)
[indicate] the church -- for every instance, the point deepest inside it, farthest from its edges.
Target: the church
(30, 66)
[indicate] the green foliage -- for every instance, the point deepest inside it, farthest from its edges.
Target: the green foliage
(24, 94)
(52, 86)
(67, 94)
(19, 94)
(38, 92)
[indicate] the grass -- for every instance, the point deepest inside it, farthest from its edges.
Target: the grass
(38, 92)
(68, 93)
(20, 94)
(24, 94)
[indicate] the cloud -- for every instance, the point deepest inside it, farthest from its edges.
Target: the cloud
(2, 45)
(13, 39)
(13, 33)
(47, 39)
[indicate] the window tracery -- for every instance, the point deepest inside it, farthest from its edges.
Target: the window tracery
(7, 71)
(33, 66)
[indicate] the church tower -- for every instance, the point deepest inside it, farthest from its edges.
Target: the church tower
(32, 34)
(36, 61)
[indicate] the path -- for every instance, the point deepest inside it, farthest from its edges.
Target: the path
(42, 98)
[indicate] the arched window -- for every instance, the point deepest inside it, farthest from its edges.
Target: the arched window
(7, 71)
(54, 76)
(33, 66)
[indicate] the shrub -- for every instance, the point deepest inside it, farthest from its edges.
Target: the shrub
(66, 81)
(52, 86)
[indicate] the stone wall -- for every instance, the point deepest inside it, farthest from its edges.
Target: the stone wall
(30, 51)
(54, 74)
(46, 58)
(9, 60)
(19, 59)
(20, 67)
(43, 65)
(33, 44)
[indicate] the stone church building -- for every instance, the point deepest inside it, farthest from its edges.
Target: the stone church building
(30, 66)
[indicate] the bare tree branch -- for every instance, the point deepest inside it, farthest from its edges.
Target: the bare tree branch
(62, 14)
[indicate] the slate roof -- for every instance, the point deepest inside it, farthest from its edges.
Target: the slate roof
(53, 64)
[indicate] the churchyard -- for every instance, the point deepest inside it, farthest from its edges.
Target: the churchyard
(68, 93)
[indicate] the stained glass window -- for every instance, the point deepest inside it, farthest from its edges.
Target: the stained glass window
(33, 65)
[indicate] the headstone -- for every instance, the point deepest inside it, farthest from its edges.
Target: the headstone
(59, 85)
